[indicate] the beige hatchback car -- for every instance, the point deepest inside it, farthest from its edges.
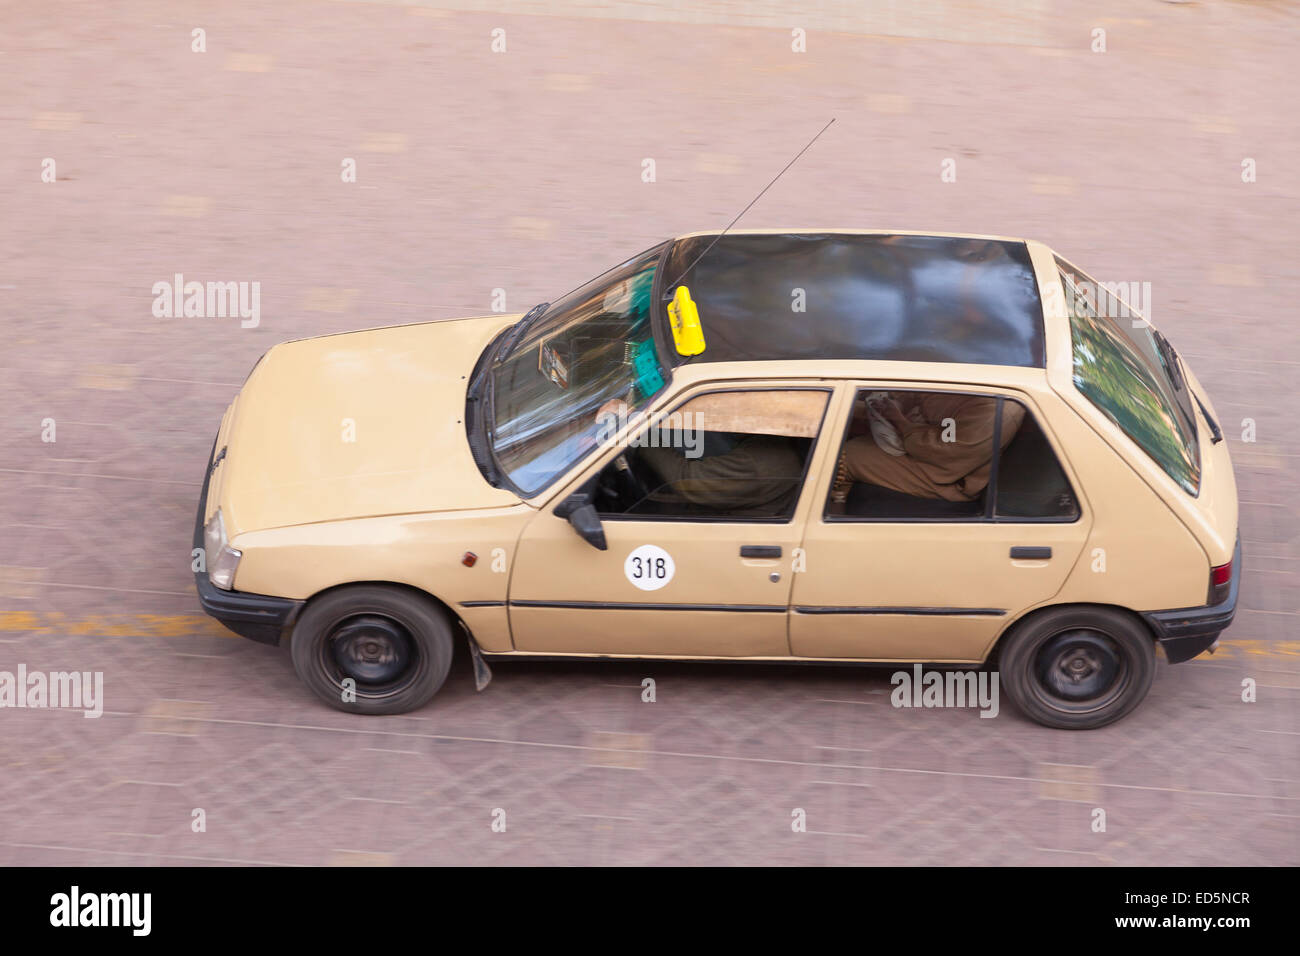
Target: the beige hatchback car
(820, 445)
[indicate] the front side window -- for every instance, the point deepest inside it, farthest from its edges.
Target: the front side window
(946, 456)
(593, 346)
(722, 456)
(1132, 374)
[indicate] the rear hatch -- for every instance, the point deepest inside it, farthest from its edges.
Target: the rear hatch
(1128, 370)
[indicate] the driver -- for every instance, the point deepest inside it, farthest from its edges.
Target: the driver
(738, 473)
(741, 474)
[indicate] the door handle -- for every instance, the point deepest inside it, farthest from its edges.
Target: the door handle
(1031, 554)
(760, 551)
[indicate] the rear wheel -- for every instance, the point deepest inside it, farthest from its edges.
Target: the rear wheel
(1077, 668)
(372, 649)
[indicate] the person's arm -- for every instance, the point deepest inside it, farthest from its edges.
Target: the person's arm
(971, 430)
(758, 470)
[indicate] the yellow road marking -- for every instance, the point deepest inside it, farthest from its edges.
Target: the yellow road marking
(1281, 650)
(385, 143)
(112, 378)
(618, 750)
(250, 62)
(722, 164)
(112, 625)
(1214, 124)
(191, 207)
(892, 103)
(56, 122)
(1054, 185)
(567, 82)
(1075, 782)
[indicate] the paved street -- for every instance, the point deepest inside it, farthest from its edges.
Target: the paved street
(522, 171)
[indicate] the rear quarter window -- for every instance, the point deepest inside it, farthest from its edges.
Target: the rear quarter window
(1113, 374)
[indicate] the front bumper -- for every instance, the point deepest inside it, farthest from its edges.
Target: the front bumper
(1185, 632)
(259, 617)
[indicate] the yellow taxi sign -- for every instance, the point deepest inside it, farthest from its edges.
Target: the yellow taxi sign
(684, 318)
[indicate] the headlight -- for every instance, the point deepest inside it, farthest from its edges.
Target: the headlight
(222, 559)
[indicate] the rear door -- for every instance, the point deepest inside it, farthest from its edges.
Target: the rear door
(897, 572)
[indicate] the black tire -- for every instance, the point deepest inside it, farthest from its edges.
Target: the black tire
(1077, 668)
(396, 647)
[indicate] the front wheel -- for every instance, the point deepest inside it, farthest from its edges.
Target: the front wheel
(372, 649)
(1077, 668)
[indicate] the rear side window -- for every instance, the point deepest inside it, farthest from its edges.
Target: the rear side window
(1030, 482)
(1122, 372)
(912, 455)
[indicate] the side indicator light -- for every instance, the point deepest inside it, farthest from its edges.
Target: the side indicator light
(469, 559)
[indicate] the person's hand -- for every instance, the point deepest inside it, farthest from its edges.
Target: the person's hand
(894, 415)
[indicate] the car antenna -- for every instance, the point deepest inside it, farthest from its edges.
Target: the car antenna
(747, 208)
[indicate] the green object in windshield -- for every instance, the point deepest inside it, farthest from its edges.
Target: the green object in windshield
(639, 287)
(648, 378)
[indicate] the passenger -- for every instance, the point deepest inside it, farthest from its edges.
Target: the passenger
(929, 444)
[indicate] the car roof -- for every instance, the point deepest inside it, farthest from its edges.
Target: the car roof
(843, 294)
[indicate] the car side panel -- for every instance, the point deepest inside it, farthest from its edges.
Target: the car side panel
(567, 597)
(1139, 555)
(421, 551)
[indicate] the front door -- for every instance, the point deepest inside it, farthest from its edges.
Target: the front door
(701, 513)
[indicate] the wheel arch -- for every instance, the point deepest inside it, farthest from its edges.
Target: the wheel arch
(991, 655)
(452, 617)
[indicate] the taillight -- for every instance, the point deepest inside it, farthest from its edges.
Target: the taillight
(1220, 583)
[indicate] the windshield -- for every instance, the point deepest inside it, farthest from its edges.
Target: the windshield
(1124, 367)
(593, 346)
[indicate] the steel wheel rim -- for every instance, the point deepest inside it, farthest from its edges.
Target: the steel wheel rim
(376, 651)
(1080, 670)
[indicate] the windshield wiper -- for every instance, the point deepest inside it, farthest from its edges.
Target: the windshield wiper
(517, 330)
(1170, 357)
(1216, 434)
(1173, 364)
(480, 409)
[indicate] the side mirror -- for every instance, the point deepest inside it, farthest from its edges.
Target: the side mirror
(581, 514)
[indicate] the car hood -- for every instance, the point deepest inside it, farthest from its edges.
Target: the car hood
(356, 425)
